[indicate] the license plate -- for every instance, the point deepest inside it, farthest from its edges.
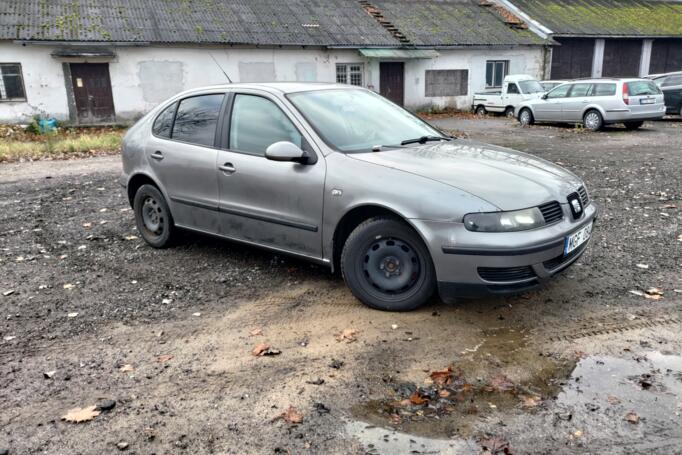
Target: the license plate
(576, 239)
(647, 101)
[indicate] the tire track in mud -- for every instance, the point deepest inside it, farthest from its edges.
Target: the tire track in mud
(607, 328)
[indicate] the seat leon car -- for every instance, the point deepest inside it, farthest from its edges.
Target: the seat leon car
(343, 177)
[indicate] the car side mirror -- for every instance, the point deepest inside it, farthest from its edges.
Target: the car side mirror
(544, 97)
(286, 151)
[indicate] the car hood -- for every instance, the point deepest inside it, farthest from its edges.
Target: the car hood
(503, 177)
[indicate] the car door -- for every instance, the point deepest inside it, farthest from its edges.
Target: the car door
(672, 90)
(548, 108)
(182, 154)
(272, 203)
(577, 100)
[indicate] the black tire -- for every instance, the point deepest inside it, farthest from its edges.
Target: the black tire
(633, 125)
(509, 112)
(481, 111)
(153, 217)
(526, 117)
(592, 120)
(371, 267)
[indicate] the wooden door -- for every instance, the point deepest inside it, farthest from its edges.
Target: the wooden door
(92, 92)
(392, 81)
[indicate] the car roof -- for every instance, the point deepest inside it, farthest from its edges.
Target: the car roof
(274, 87)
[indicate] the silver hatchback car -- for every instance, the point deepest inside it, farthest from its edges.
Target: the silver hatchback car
(343, 177)
(595, 103)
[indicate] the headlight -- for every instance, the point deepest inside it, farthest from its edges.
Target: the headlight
(518, 220)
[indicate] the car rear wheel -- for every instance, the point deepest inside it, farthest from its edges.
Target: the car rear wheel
(633, 125)
(387, 266)
(526, 117)
(153, 217)
(481, 111)
(509, 112)
(592, 120)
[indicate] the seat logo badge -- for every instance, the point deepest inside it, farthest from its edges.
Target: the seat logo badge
(337, 193)
(577, 208)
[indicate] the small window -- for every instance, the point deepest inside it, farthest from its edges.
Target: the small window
(512, 88)
(349, 73)
(197, 118)
(495, 72)
(257, 123)
(673, 80)
(579, 90)
(604, 90)
(559, 92)
(164, 122)
(11, 82)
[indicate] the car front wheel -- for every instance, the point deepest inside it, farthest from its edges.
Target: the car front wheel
(387, 266)
(152, 216)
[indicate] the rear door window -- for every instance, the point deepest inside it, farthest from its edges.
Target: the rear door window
(197, 119)
(604, 90)
(512, 88)
(671, 81)
(580, 90)
(164, 122)
(642, 88)
(257, 123)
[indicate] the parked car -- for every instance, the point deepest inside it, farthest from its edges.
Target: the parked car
(549, 85)
(515, 89)
(341, 176)
(671, 86)
(595, 103)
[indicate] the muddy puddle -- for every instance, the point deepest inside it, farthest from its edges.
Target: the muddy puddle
(507, 387)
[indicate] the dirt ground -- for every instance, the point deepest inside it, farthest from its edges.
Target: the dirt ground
(584, 365)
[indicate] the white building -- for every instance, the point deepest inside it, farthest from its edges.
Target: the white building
(111, 61)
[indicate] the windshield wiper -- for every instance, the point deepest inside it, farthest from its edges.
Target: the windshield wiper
(424, 140)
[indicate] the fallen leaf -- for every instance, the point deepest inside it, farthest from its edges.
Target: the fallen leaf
(166, 301)
(348, 335)
(68, 286)
(415, 398)
(292, 415)
(255, 332)
(395, 326)
(636, 292)
(263, 349)
(442, 377)
(613, 399)
(77, 415)
(130, 237)
(495, 445)
(164, 358)
(126, 368)
(669, 206)
(578, 433)
(632, 417)
(8, 293)
(196, 314)
(87, 225)
(654, 291)
(72, 315)
(530, 401)
(49, 374)
(443, 393)
(9, 338)
(643, 266)
(501, 383)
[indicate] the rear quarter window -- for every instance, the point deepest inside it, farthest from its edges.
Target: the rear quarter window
(197, 119)
(164, 122)
(641, 88)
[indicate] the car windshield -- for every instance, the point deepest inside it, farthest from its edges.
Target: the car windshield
(531, 87)
(355, 120)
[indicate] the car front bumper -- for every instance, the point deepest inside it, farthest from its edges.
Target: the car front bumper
(475, 264)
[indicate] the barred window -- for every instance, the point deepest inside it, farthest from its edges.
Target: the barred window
(349, 73)
(11, 82)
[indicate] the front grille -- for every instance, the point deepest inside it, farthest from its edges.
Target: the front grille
(551, 212)
(584, 198)
(553, 263)
(506, 274)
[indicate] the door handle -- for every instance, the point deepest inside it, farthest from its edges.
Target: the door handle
(158, 156)
(228, 168)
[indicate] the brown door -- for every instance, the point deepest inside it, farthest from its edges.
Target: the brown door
(392, 81)
(92, 92)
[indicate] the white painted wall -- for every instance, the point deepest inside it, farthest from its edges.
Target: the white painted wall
(141, 77)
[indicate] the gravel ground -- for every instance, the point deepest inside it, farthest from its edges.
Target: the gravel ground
(584, 365)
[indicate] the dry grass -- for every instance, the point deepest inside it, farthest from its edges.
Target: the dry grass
(61, 146)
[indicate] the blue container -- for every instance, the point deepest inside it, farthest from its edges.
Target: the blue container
(47, 125)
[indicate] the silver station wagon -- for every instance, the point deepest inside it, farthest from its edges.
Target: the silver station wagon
(595, 103)
(343, 177)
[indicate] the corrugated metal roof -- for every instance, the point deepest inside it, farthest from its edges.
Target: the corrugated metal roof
(606, 17)
(262, 22)
(453, 23)
(340, 23)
